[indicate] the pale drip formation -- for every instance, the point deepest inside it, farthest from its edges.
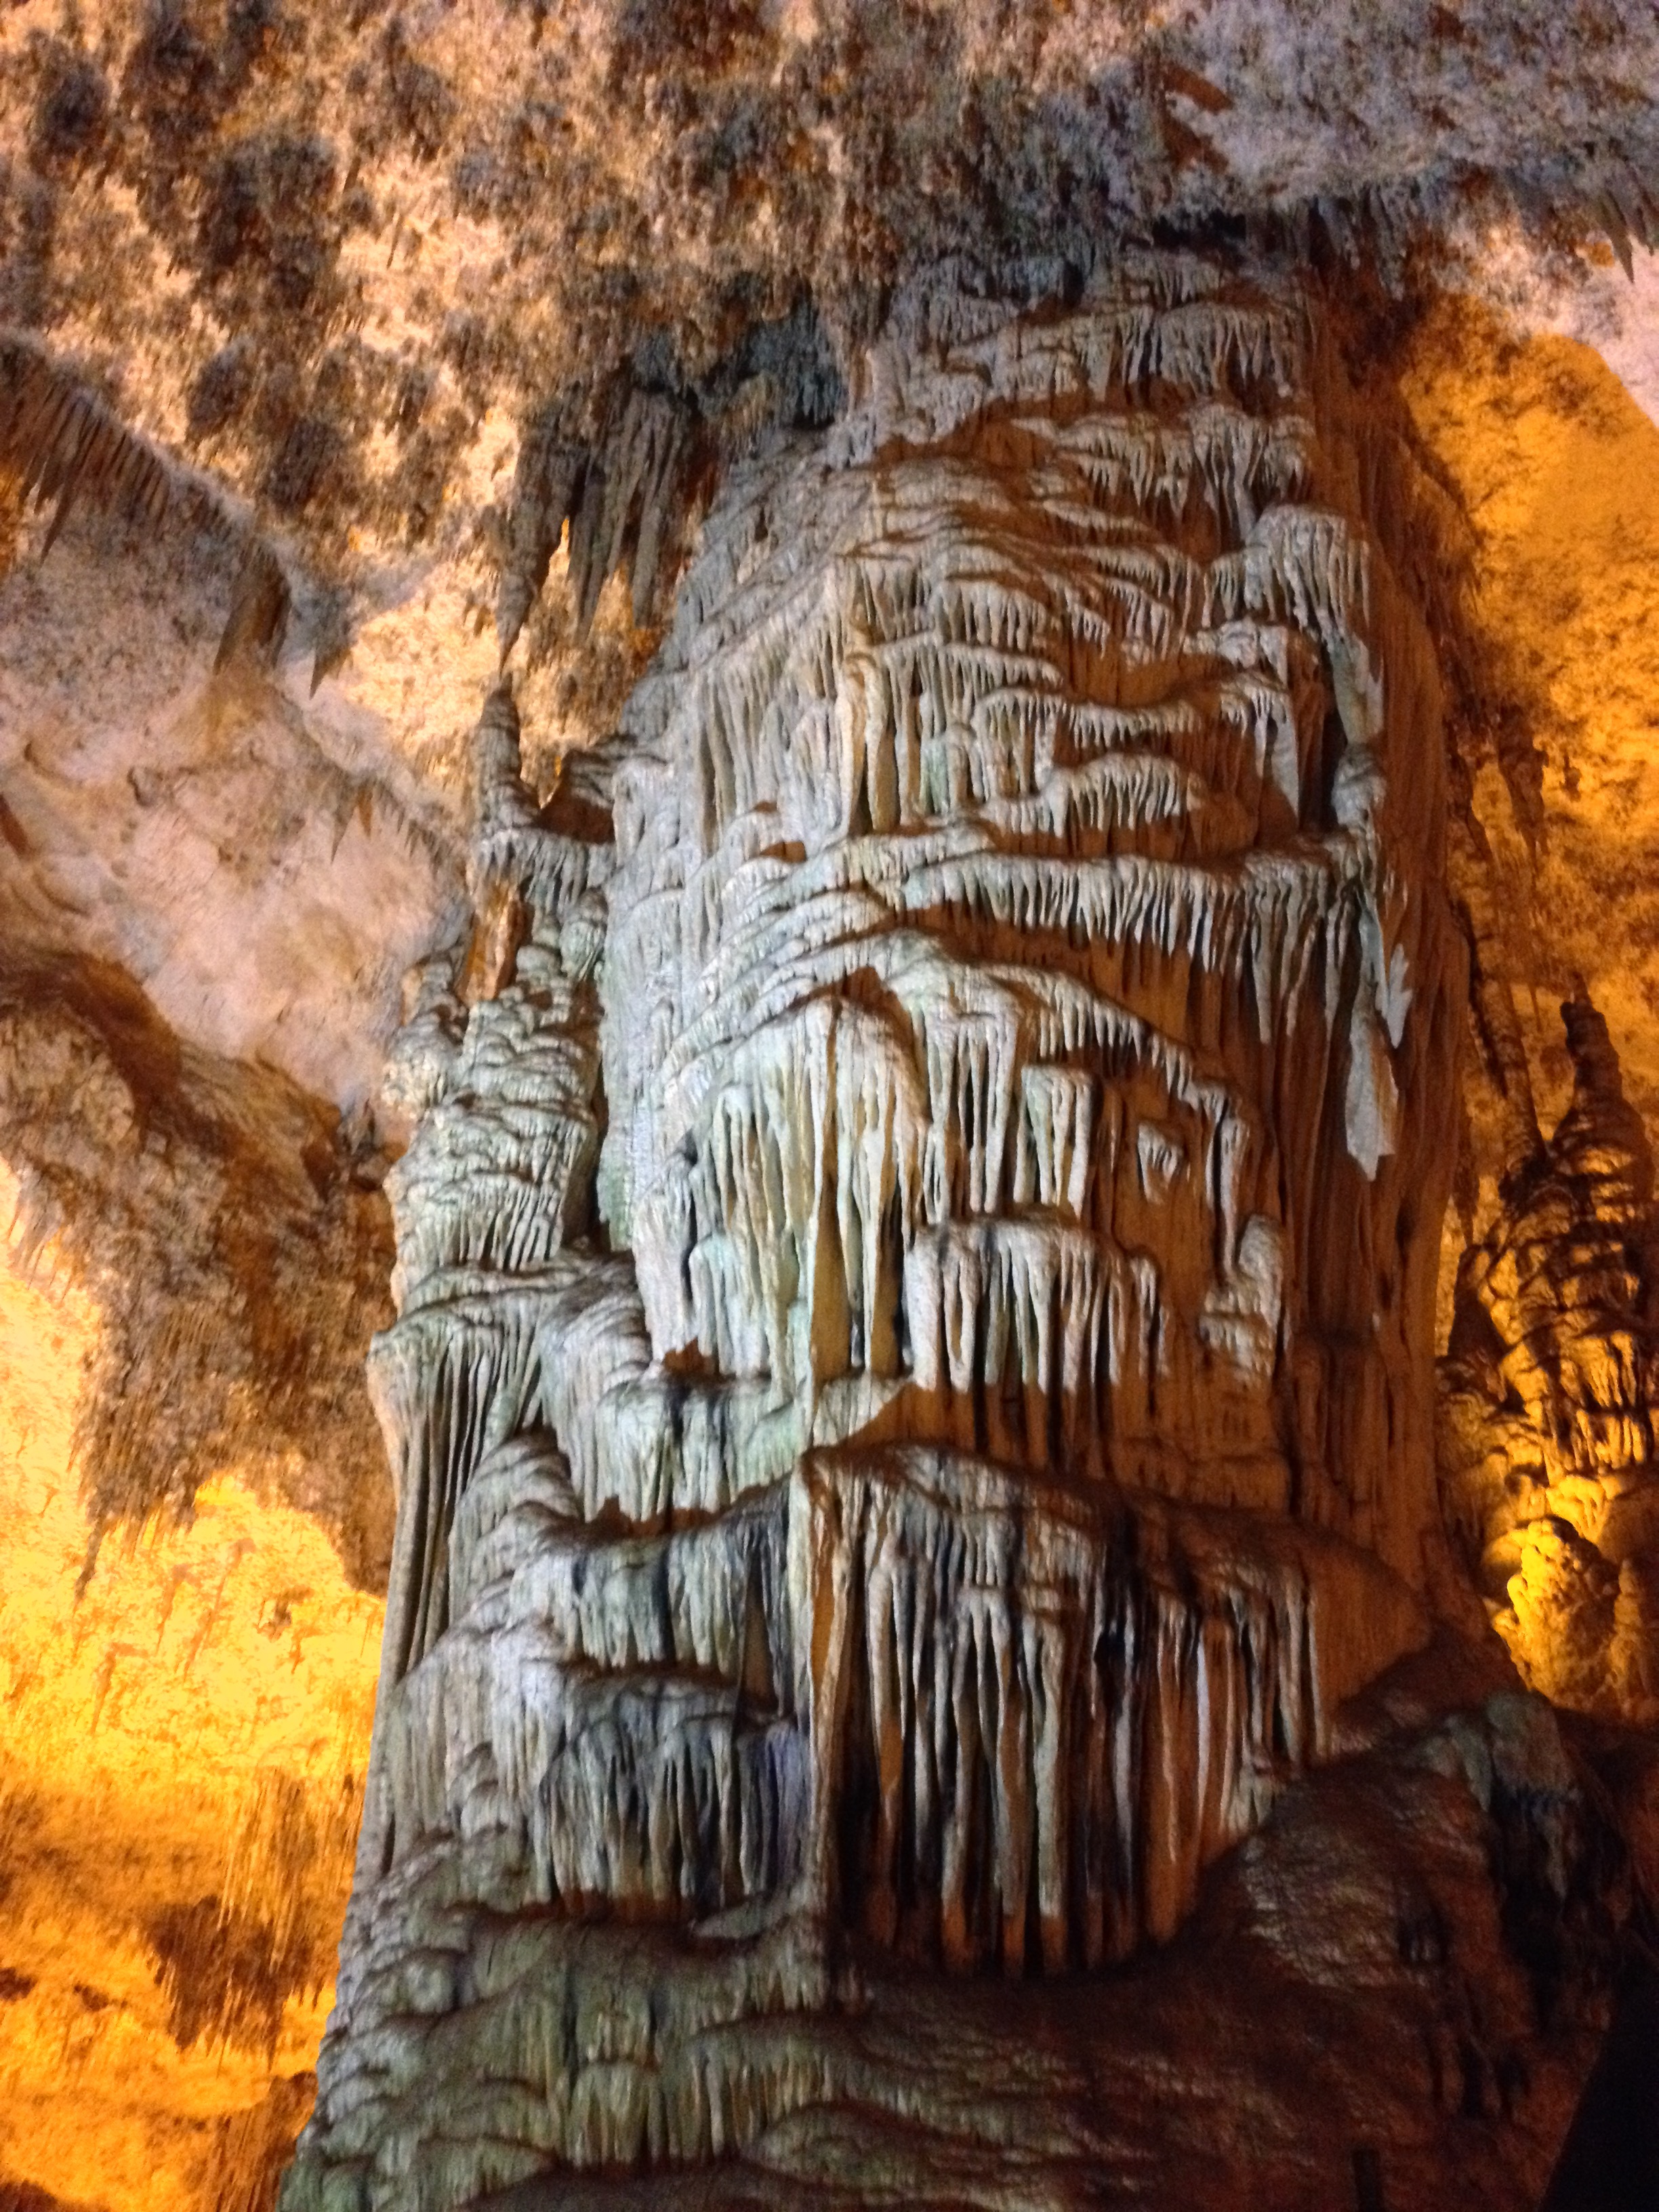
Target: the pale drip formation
(912, 1395)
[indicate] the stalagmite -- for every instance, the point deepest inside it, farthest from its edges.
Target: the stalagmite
(1547, 1445)
(911, 1395)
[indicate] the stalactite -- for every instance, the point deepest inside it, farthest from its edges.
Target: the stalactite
(64, 445)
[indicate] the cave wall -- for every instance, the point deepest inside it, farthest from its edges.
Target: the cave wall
(1546, 1298)
(194, 1521)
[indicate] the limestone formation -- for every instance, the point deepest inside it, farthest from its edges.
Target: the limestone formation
(917, 1187)
(1551, 1378)
(910, 1401)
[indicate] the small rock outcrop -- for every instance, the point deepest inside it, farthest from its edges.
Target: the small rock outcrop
(911, 1397)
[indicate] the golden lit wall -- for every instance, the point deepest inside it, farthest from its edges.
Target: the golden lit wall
(182, 1734)
(1558, 469)
(1547, 1435)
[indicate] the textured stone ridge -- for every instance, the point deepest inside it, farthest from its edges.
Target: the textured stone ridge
(996, 1003)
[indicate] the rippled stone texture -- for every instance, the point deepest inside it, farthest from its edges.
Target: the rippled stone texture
(912, 1391)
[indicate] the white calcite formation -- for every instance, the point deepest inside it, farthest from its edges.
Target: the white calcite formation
(912, 1391)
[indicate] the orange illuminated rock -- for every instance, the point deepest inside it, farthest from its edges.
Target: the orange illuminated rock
(186, 1693)
(1551, 1379)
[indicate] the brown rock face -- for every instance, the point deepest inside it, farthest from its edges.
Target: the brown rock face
(235, 1247)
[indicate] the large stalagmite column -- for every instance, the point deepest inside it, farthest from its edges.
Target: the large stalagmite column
(911, 1400)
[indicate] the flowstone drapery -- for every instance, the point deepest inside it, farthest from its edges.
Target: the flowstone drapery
(911, 1395)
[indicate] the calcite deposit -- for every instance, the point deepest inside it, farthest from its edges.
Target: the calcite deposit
(911, 1395)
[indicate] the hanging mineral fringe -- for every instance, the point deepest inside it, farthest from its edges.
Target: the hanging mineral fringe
(65, 446)
(992, 1003)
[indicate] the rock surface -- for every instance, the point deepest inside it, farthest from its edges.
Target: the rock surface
(186, 1702)
(1020, 1005)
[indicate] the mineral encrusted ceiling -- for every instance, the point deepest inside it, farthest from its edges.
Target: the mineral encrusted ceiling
(348, 356)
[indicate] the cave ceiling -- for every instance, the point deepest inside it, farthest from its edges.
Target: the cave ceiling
(369, 370)
(350, 276)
